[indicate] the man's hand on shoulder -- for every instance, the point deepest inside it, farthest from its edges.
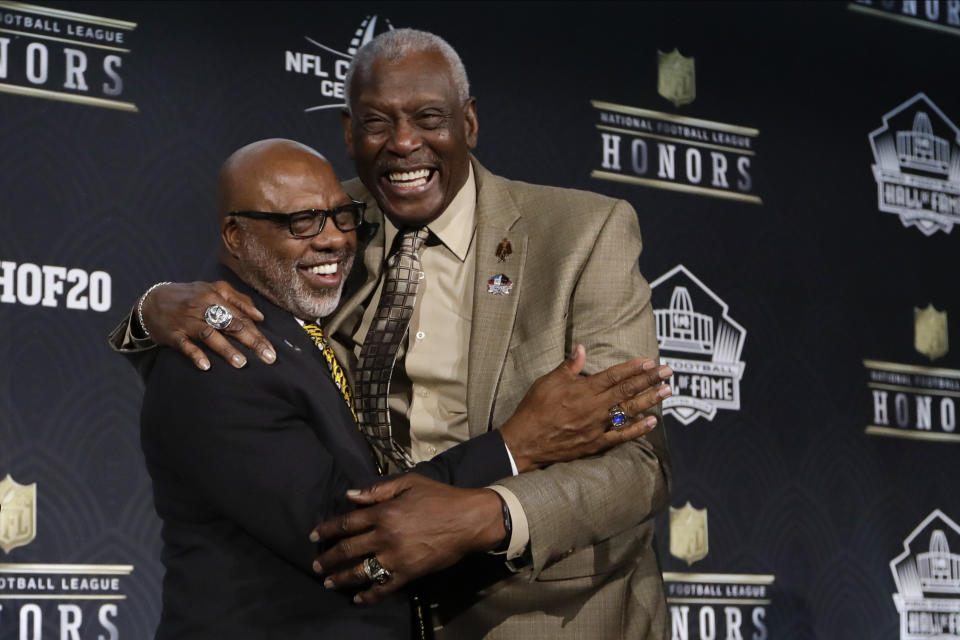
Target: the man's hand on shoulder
(173, 316)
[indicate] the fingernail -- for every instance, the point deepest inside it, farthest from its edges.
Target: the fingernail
(316, 567)
(649, 364)
(650, 421)
(664, 391)
(204, 364)
(665, 372)
(268, 355)
(328, 584)
(314, 536)
(357, 600)
(238, 360)
(353, 493)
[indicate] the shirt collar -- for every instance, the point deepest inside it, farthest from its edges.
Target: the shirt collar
(454, 227)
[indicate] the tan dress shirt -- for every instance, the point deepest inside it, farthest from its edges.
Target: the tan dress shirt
(428, 388)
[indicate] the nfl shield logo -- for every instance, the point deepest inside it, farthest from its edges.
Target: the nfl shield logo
(675, 78)
(18, 514)
(930, 332)
(688, 533)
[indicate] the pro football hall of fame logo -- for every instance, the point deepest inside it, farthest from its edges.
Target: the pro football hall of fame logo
(917, 170)
(701, 343)
(927, 576)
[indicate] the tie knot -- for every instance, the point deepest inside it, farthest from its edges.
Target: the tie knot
(411, 240)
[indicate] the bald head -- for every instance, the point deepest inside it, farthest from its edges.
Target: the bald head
(276, 177)
(266, 171)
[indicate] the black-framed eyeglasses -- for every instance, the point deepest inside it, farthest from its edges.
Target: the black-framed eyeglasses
(308, 223)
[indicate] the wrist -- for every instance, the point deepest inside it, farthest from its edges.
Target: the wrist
(491, 528)
(142, 326)
(504, 545)
(516, 446)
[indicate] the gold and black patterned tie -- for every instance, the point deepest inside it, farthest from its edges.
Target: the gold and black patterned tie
(339, 377)
(379, 351)
(336, 371)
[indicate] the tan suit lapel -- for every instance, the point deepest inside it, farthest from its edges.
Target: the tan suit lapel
(493, 315)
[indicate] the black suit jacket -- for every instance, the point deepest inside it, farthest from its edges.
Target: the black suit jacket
(244, 464)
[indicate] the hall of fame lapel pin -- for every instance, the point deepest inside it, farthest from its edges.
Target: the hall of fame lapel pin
(499, 285)
(503, 250)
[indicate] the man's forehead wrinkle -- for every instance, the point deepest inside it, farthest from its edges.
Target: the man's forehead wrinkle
(426, 71)
(390, 101)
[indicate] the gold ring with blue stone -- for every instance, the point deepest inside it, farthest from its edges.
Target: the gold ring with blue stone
(618, 418)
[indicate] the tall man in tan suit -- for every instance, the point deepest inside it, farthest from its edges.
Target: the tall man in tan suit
(514, 277)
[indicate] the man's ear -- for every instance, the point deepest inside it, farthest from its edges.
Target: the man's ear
(470, 122)
(348, 131)
(232, 235)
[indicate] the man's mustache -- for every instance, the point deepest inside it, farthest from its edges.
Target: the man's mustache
(329, 255)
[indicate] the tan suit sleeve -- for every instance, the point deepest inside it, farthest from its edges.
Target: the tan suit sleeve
(123, 340)
(579, 503)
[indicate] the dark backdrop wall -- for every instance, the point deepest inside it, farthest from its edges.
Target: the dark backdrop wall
(796, 173)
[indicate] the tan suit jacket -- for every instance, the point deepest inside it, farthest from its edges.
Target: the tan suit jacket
(576, 279)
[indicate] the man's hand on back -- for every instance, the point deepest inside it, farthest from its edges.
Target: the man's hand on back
(414, 526)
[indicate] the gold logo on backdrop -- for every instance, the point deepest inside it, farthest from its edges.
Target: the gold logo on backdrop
(688, 533)
(930, 332)
(676, 80)
(18, 514)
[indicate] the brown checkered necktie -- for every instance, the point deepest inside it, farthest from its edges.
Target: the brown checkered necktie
(379, 351)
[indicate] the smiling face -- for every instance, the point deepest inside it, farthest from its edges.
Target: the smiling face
(410, 136)
(305, 276)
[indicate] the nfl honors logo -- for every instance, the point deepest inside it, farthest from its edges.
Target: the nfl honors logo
(927, 576)
(711, 606)
(701, 343)
(917, 170)
(663, 150)
(18, 514)
(912, 400)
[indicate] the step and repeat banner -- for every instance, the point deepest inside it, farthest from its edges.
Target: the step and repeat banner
(796, 173)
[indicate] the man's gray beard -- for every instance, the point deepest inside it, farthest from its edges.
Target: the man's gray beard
(278, 280)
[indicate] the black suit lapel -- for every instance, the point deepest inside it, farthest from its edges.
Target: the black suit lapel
(299, 355)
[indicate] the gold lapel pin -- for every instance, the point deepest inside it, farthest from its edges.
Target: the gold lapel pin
(503, 250)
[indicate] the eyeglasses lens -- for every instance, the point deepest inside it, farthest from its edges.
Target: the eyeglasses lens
(309, 223)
